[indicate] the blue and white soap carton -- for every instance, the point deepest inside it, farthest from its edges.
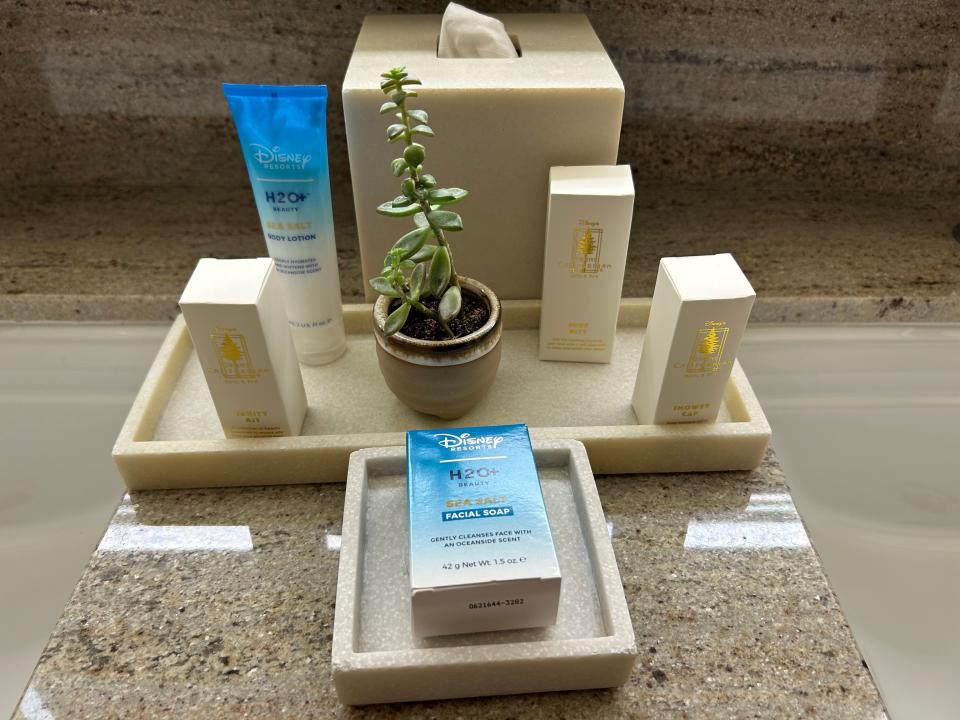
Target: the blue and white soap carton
(481, 552)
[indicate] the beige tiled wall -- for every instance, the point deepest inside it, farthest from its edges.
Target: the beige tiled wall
(819, 141)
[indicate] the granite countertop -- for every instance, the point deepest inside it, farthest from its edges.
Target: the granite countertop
(220, 603)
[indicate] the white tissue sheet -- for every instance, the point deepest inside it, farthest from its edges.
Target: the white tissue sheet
(465, 33)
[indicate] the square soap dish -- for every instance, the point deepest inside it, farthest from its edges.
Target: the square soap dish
(376, 658)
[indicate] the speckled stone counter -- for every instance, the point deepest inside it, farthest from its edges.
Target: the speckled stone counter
(220, 603)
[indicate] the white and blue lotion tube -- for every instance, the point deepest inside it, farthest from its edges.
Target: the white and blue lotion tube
(481, 551)
(283, 134)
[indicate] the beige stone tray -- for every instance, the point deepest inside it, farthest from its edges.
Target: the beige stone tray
(172, 438)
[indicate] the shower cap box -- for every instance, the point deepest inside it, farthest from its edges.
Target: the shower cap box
(500, 125)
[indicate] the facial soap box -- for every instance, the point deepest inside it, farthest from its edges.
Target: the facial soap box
(700, 309)
(481, 551)
(235, 314)
(588, 231)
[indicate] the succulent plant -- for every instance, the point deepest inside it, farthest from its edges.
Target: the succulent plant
(420, 264)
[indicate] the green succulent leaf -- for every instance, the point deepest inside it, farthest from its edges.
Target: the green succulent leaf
(410, 243)
(446, 220)
(390, 210)
(400, 201)
(417, 277)
(398, 166)
(395, 131)
(383, 286)
(428, 181)
(399, 96)
(438, 277)
(422, 130)
(418, 115)
(420, 220)
(408, 188)
(387, 107)
(388, 85)
(414, 154)
(450, 303)
(425, 253)
(407, 264)
(410, 81)
(447, 196)
(396, 320)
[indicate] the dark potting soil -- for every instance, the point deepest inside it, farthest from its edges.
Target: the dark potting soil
(473, 314)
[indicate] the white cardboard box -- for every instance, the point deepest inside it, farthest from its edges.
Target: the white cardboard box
(500, 125)
(482, 556)
(589, 214)
(700, 309)
(235, 314)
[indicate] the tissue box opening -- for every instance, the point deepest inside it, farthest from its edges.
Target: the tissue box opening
(513, 38)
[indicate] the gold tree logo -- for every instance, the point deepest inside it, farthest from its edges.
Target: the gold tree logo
(229, 350)
(707, 348)
(233, 356)
(586, 246)
(586, 249)
(710, 343)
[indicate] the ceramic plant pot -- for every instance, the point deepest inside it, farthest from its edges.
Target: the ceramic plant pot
(441, 377)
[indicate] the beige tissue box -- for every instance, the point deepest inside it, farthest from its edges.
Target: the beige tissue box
(235, 314)
(500, 125)
(588, 231)
(700, 309)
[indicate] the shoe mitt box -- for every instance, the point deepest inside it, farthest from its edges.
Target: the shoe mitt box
(699, 312)
(235, 314)
(589, 215)
(481, 552)
(500, 124)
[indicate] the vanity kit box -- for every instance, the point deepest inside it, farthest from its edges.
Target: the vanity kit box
(235, 313)
(700, 309)
(588, 231)
(500, 125)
